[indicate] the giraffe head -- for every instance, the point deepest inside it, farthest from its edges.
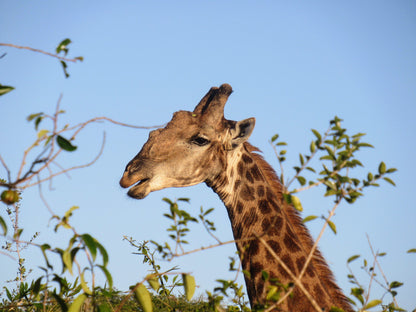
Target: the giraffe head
(194, 147)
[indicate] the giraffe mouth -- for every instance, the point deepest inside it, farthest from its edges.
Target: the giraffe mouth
(140, 190)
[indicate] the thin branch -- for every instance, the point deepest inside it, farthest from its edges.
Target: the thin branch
(315, 245)
(74, 60)
(68, 169)
(296, 280)
(212, 246)
(5, 167)
(280, 163)
(379, 267)
(43, 198)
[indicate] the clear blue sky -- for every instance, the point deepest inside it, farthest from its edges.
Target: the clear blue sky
(292, 65)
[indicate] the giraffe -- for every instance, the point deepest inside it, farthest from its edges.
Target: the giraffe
(203, 146)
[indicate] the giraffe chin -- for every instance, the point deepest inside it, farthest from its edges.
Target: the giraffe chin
(140, 190)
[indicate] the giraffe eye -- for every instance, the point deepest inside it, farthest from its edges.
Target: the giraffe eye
(198, 140)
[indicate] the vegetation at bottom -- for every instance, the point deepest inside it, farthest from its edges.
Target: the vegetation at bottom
(83, 258)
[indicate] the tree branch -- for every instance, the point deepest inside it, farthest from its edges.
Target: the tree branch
(74, 60)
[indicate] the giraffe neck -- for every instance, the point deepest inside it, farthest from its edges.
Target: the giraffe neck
(253, 196)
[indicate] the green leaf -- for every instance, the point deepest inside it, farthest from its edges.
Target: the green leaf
(302, 161)
(91, 244)
(309, 218)
(103, 252)
(167, 200)
(65, 144)
(365, 145)
(37, 122)
(332, 226)
(189, 285)
(142, 295)
(272, 292)
(395, 284)
(77, 303)
(413, 250)
(301, 180)
(33, 116)
(61, 302)
(358, 135)
(311, 169)
(312, 147)
(352, 258)
(67, 260)
(296, 203)
(64, 67)
(153, 281)
(317, 134)
(42, 133)
(5, 89)
(107, 275)
(382, 168)
(84, 285)
(62, 46)
(3, 226)
(372, 304)
(36, 286)
(184, 199)
(390, 181)
(275, 137)
(68, 213)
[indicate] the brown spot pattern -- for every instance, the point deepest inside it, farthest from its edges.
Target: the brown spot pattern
(255, 172)
(247, 159)
(255, 269)
(251, 217)
(260, 190)
(239, 207)
(290, 243)
(276, 248)
(264, 206)
(249, 177)
(289, 263)
(240, 168)
(237, 185)
(254, 247)
(265, 224)
(247, 193)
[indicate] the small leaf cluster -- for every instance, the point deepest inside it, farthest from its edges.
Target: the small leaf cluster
(362, 295)
(42, 135)
(78, 243)
(62, 48)
(337, 152)
(179, 229)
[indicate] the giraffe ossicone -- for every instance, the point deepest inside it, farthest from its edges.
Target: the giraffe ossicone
(203, 146)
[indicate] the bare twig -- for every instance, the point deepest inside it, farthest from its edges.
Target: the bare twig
(212, 246)
(296, 280)
(5, 167)
(68, 169)
(380, 269)
(315, 245)
(74, 60)
(280, 163)
(43, 198)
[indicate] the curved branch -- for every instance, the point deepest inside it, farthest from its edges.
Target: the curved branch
(74, 60)
(69, 169)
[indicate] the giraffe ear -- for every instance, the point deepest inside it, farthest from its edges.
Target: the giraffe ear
(242, 131)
